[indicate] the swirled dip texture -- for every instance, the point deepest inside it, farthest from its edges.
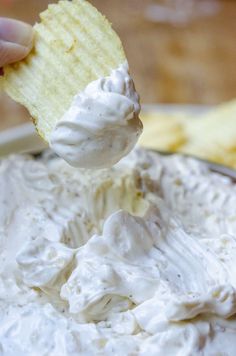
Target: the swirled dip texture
(138, 259)
(102, 125)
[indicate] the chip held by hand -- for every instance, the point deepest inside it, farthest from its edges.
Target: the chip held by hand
(76, 85)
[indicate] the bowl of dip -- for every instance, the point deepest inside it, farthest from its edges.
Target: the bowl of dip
(138, 259)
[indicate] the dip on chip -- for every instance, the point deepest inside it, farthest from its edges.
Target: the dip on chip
(77, 74)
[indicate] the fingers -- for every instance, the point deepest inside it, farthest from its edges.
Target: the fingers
(16, 40)
(16, 32)
(11, 52)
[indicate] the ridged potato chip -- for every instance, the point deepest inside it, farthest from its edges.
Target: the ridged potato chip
(74, 45)
(211, 136)
(163, 132)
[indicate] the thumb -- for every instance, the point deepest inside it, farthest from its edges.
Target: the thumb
(16, 40)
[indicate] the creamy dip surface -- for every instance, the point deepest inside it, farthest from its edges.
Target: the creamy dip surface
(102, 124)
(138, 259)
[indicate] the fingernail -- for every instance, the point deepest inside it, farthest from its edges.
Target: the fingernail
(16, 32)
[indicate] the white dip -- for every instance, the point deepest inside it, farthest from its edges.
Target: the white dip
(102, 125)
(139, 259)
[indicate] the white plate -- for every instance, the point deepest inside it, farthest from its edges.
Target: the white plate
(20, 139)
(24, 138)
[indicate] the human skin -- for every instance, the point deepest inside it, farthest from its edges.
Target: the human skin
(16, 40)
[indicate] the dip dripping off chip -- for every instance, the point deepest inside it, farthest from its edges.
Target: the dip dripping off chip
(74, 45)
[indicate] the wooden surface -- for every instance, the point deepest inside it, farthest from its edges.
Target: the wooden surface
(194, 63)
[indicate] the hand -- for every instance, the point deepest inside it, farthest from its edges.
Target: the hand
(16, 40)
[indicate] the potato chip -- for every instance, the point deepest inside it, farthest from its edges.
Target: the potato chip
(211, 136)
(163, 132)
(74, 45)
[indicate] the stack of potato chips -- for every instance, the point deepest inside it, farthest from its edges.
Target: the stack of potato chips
(210, 136)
